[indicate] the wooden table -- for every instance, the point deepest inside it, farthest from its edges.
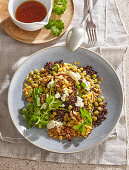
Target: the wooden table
(18, 164)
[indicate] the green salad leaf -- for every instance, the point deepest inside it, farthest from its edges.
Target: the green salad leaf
(79, 88)
(33, 113)
(86, 116)
(83, 85)
(87, 121)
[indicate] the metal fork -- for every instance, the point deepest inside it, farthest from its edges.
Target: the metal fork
(91, 27)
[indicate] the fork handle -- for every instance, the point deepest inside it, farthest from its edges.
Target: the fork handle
(90, 6)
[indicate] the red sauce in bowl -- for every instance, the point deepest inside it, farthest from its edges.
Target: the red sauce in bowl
(31, 11)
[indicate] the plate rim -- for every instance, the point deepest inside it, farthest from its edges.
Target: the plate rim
(96, 144)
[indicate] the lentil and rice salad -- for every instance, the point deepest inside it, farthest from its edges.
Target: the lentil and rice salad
(65, 99)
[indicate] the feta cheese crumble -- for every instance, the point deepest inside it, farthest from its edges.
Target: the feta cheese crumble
(74, 76)
(53, 124)
(79, 102)
(50, 83)
(63, 105)
(65, 95)
(57, 95)
(87, 83)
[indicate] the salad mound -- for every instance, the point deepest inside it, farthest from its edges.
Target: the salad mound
(65, 99)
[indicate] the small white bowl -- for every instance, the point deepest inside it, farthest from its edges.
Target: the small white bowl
(12, 7)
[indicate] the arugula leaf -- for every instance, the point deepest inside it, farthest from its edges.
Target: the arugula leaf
(80, 127)
(83, 85)
(86, 116)
(50, 99)
(55, 104)
(33, 113)
(23, 111)
(55, 66)
(79, 88)
(83, 129)
(77, 127)
(42, 124)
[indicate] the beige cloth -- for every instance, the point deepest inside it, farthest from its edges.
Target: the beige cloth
(112, 40)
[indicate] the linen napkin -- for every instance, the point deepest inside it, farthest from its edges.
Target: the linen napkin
(111, 35)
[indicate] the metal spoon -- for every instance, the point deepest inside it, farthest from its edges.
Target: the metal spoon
(76, 34)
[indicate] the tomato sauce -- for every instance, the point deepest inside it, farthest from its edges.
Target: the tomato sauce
(31, 11)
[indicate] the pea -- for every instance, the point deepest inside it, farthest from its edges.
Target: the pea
(35, 85)
(82, 75)
(96, 104)
(94, 118)
(69, 107)
(34, 76)
(42, 70)
(94, 76)
(90, 105)
(32, 84)
(27, 79)
(97, 86)
(36, 71)
(52, 116)
(101, 104)
(85, 102)
(81, 69)
(31, 73)
(102, 97)
(99, 108)
(30, 79)
(54, 113)
(95, 80)
(74, 68)
(78, 70)
(88, 76)
(96, 112)
(99, 100)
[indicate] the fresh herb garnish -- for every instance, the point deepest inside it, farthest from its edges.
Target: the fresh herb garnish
(87, 121)
(83, 85)
(79, 88)
(32, 113)
(55, 67)
(86, 116)
(57, 25)
(59, 6)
